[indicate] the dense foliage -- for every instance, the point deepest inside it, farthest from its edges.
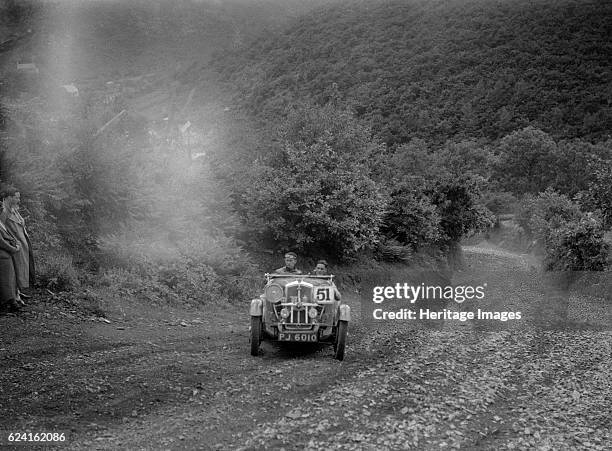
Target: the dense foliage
(546, 211)
(411, 218)
(598, 196)
(577, 246)
(571, 239)
(315, 193)
(439, 69)
(530, 161)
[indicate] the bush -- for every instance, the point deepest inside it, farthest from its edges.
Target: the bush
(178, 266)
(574, 165)
(457, 200)
(410, 217)
(577, 246)
(598, 196)
(538, 215)
(118, 285)
(142, 246)
(571, 239)
(440, 197)
(316, 193)
(57, 272)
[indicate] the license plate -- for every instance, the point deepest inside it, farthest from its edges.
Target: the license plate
(295, 336)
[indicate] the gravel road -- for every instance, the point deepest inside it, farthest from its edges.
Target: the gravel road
(165, 380)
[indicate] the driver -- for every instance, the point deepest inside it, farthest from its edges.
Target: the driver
(289, 268)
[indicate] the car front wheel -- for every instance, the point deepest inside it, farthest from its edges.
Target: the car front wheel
(255, 334)
(340, 342)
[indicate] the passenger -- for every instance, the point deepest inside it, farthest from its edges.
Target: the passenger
(290, 262)
(321, 270)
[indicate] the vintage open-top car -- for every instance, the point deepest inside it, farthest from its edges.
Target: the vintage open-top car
(300, 308)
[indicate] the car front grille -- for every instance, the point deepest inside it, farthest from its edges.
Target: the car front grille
(298, 316)
(300, 293)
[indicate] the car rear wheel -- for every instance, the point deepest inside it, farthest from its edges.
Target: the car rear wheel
(340, 342)
(255, 334)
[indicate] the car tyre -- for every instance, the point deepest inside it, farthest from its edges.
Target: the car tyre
(255, 334)
(340, 342)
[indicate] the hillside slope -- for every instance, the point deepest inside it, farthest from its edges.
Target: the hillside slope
(442, 69)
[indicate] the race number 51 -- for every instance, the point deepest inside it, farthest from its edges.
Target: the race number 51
(324, 294)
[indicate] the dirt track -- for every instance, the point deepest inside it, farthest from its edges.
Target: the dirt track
(168, 379)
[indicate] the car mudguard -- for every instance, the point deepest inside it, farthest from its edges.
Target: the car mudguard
(256, 307)
(345, 313)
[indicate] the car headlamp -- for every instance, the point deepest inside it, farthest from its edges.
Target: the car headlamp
(284, 313)
(313, 312)
(274, 293)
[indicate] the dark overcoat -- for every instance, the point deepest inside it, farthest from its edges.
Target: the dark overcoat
(23, 260)
(8, 282)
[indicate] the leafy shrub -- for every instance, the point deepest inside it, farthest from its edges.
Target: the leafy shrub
(457, 200)
(577, 245)
(575, 162)
(176, 266)
(598, 196)
(438, 197)
(56, 271)
(119, 285)
(410, 217)
(145, 245)
(538, 215)
(571, 239)
(190, 282)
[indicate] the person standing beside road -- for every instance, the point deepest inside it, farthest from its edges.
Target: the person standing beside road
(290, 262)
(23, 259)
(8, 282)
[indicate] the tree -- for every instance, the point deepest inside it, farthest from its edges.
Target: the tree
(598, 196)
(411, 218)
(457, 200)
(544, 212)
(573, 164)
(525, 159)
(316, 193)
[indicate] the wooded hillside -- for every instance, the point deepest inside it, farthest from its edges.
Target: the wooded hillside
(441, 69)
(454, 109)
